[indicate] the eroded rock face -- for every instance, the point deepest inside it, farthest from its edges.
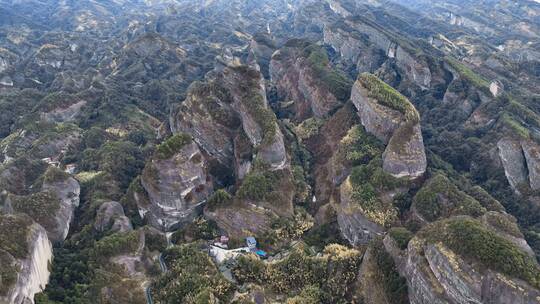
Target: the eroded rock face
(531, 151)
(33, 267)
(241, 222)
(66, 114)
(404, 155)
(68, 192)
(111, 215)
(435, 274)
(209, 118)
(177, 187)
(219, 111)
(521, 162)
(297, 82)
(355, 226)
(513, 161)
(357, 34)
(258, 121)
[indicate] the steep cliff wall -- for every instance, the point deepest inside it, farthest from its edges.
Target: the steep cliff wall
(451, 266)
(26, 254)
(393, 119)
(176, 182)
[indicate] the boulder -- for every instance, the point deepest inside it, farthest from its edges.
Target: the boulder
(111, 215)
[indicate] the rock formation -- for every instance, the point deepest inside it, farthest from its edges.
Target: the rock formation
(176, 182)
(301, 74)
(520, 160)
(438, 274)
(26, 254)
(393, 119)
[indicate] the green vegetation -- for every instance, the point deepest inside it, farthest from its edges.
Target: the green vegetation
(116, 244)
(329, 276)
(366, 182)
(8, 272)
(504, 223)
(172, 145)
(336, 82)
(258, 186)
(123, 160)
(154, 240)
(191, 274)
(41, 207)
(515, 126)
(360, 147)
(199, 229)
(401, 236)
(395, 286)
(309, 127)
(255, 104)
(487, 201)
(470, 76)
(525, 113)
(440, 197)
(55, 175)
(219, 198)
(470, 239)
(14, 242)
(388, 96)
(289, 228)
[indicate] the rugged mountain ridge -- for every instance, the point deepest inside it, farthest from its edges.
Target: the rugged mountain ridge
(380, 152)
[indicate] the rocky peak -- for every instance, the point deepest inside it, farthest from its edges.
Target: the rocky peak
(306, 82)
(455, 261)
(389, 116)
(176, 182)
(26, 254)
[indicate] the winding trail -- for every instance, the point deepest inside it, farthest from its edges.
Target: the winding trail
(162, 266)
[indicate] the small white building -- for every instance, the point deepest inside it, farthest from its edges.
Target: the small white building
(221, 255)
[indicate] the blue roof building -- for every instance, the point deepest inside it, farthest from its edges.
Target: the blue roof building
(251, 242)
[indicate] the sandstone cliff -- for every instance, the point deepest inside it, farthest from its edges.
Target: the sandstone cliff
(306, 82)
(393, 119)
(521, 162)
(25, 256)
(454, 266)
(176, 182)
(355, 36)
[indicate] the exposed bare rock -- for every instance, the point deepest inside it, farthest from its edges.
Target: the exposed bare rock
(26, 252)
(329, 169)
(261, 48)
(242, 220)
(207, 115)
(111, 215)
(520, 160)
(513, 161)
(48, 144)
(177, 186)
(298, 80)
(399, 127)
(64, 114)
(355, 226)
(531, 151)
(359, 33)
(258, 121)
(219, 110)
(437, 274)
(68, 190)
